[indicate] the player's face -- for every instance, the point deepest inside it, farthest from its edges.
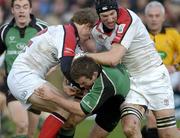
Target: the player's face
(86, 82)
(85, 32)
(109, 18)
(154, 19)
(21, 11)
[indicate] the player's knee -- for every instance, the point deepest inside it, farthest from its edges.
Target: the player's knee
(21, 127)
(131, 127)
(130, 120)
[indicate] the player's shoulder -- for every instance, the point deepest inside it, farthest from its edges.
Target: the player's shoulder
(171, 30)
(41, 22)
(55, 30)
(3, 29)
(126, 16)
(3, 26)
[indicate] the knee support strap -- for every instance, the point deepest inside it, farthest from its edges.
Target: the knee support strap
(166, 122)
(130, 110)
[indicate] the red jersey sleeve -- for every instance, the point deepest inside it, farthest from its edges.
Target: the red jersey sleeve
(124, 21)
(70, 41)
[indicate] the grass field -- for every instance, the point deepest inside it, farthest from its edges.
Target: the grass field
(82, 130)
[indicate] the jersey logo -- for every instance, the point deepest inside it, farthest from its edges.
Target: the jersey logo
(166, 102)
(104, 8)
(162, 54)
(20, 46)
(124, 23)
(12, 38)
(121, 28)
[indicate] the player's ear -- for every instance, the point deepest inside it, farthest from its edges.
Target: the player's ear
(95, 74)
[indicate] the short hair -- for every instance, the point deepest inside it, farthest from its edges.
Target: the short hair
(85, 16)
(12, 3)
(83, 66)
(154, 4)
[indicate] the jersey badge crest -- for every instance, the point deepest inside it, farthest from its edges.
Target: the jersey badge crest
(166, 102)
(11, 38)
(121, 28)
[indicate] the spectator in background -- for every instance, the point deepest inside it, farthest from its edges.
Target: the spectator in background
(167, 43)
(74, 5)
(57, 14)
(139, 8)
(172, 11)
(2, 15)
(36, 10)
(178, 24)
(5, 9)
(45, 6)
(125, 3)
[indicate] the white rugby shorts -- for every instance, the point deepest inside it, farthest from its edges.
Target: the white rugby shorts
(153, 89)
(23, 83)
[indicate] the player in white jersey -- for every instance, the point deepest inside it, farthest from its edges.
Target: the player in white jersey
(124, 38)
(52, 46)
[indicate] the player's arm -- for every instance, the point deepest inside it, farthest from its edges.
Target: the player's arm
(69, 89)
(66, 66)
(111, 57)
(69, 105)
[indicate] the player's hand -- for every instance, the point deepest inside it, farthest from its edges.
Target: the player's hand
(81, 94)
(71, 90)
(43, 94)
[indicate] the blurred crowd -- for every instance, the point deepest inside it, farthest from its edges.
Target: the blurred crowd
(60, 11)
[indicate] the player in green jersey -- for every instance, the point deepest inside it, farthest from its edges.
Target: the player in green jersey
(106, 88)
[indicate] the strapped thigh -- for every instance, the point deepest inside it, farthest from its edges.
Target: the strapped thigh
(166, 122)
(131, 110)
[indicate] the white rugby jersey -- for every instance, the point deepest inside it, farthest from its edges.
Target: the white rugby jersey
(45, 50)
(132, 34)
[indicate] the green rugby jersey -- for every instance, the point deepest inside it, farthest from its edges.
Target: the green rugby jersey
(13, 39)
(111, 82)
